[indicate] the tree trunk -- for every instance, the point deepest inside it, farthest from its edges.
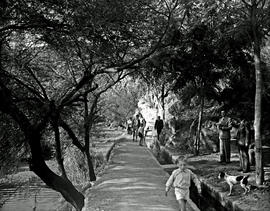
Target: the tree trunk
(163, 109)
(199, 127)
(37, 164)
(59, 156)
(60, 184)
(91, 171)
(75, 140)
(257, 118)
(87, 125)
(163, 102)
(258, 94)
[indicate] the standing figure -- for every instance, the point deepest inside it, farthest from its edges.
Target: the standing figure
(141, 130)
(135, 127)
(243, 142)
(129, 126)
(224, 126)
(158, 126)
(180, 179)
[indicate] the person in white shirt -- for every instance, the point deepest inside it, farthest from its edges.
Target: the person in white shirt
(224, 126)
(180, 179)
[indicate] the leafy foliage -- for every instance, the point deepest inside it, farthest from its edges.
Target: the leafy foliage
(120, 102)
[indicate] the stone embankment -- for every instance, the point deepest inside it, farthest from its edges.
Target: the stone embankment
(215, 191)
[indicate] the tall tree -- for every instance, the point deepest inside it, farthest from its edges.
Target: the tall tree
(257, 13)
(249, 23)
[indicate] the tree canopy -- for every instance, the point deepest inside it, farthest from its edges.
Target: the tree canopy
(63, 64)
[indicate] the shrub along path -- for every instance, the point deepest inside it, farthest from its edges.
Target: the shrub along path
(133, 180)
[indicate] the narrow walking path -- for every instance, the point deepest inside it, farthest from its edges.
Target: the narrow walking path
(133, 181)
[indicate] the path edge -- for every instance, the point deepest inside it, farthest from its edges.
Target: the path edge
(189, 201)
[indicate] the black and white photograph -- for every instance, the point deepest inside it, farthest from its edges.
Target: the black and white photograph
(134, 105)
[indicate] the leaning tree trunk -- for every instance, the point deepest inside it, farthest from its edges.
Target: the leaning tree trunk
(163, 102)
(60, 184)
(37, 164)
(91, 171)
(199, 127)
(32, 134)
(258, 95)
(87, 127)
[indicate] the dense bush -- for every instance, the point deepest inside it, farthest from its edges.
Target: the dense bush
(164, 156)
(98, 161)
(76, 165)
(12, 146)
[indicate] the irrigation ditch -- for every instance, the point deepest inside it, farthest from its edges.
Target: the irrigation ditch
(206, 201)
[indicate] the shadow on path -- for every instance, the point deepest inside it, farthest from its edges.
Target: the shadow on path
(133, 180)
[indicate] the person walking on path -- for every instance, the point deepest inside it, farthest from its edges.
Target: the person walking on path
(158, 126)
(135, 127)
(180, 179)
(129, 126)
(224, 126)
(141, 130)
(243, 143)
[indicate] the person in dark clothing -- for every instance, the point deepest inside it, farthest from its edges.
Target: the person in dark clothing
(243, 142)
(135, 127)
(158, 126)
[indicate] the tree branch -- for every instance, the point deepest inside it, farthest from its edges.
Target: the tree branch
(31, 89)
(246, 3)
(8, 107)
(37, 81)
(78, 96)
(71, 134)
(86, 78)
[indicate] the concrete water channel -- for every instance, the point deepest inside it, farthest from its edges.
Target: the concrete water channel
(33, 195)
(28, 198)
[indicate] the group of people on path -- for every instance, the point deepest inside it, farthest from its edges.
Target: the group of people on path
(136, 127)
(243, 140)
(180, 178)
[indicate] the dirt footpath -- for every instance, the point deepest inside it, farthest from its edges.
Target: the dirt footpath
(133, 181)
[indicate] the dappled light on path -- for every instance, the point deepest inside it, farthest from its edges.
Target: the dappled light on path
(133, 181)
